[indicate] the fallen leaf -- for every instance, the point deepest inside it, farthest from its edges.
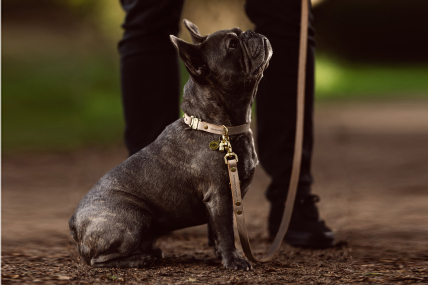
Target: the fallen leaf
(62, 277)
(114, 278)
(13, 276)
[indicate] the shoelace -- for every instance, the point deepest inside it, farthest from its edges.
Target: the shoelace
(306, 206)
(312, 198)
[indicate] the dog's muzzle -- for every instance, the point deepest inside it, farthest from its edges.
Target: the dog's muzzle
(258, 50)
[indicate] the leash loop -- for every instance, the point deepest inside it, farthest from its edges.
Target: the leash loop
(230, 154)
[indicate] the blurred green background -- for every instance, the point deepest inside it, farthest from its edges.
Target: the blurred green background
(60, 65)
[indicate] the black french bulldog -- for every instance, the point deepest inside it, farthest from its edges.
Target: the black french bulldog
(177, 181)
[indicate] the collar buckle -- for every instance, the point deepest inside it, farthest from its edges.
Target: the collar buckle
(194, 122)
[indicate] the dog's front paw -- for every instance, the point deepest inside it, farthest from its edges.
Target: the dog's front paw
(236, 261)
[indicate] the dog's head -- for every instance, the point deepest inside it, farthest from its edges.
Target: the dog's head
(231, 60)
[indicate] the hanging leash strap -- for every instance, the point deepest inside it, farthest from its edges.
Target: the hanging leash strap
(295, 173)
(231, 159)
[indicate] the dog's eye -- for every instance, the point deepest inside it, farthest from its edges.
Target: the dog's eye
(233, 44)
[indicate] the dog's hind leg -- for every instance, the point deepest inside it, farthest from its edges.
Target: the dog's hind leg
(112, 237)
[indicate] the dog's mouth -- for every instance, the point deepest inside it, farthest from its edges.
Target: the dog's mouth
(257, 52)
(267, 55)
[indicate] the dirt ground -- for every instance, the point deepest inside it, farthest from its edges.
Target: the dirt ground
(370, 168)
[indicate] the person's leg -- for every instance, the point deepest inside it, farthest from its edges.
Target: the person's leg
(149, 69)
(279, 21)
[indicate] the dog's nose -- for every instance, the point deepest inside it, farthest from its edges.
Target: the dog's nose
(251, 34)
(254, 43)
(248, 34)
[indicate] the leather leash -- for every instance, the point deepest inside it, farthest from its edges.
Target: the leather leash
(295, 173)
(238, 206)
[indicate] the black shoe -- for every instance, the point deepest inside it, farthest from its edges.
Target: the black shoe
(306, 228)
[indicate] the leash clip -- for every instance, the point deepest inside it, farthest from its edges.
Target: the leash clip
(229, 154)
(226, 131)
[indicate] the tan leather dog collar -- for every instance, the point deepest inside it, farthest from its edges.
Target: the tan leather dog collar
(197, 124)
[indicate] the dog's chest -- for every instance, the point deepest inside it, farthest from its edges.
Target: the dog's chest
(211, 163)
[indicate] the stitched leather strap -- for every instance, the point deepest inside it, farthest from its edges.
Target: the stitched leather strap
(197, 124)
(233, 169)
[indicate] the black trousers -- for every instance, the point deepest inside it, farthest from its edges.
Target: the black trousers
(150, 83)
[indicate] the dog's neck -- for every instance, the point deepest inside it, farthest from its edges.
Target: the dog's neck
(211, 105)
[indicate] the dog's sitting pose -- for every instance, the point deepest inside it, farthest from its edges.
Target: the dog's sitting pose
(178, 181)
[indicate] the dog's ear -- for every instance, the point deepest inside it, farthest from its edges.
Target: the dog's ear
(194, 32)
(190, 54)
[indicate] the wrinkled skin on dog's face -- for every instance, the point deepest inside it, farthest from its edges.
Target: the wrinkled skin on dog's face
(177, 181)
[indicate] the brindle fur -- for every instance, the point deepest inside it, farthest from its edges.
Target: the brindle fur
(177, 181)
